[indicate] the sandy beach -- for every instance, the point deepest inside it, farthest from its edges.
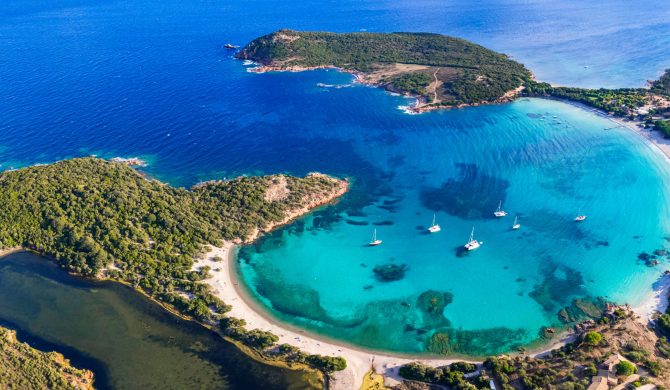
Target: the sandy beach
(359, 361)
(223, 280)
(221, 260)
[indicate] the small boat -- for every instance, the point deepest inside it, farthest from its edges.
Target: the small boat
(499, 213)
(472, 243)
(516, 223)
(434, 228)
(230, 46)
(375, 241)
(580, 218)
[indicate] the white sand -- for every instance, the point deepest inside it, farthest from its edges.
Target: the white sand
(656, 301)
(359, 361)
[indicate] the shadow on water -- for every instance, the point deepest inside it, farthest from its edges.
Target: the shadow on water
(472, 195)
(125, 339)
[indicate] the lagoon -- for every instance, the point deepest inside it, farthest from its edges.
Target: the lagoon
(126, 340)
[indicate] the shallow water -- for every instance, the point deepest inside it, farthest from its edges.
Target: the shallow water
(150, 79)
(128, 342)
(544, 160)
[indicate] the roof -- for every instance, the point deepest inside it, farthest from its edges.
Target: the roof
(598, 383)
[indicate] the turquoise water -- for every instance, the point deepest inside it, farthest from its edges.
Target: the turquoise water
(545, 160)
(150, 79)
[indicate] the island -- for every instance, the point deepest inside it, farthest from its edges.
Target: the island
(23, 367)
(439, 70)
(446, 72)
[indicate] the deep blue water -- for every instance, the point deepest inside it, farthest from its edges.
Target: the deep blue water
(151, 79)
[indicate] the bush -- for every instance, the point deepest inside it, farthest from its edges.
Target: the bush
(664, 324)
(625, 368)
(593, 338)
(259, 338)
(327, 363)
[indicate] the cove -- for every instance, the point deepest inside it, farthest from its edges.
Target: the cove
(546, 161)
(128, 341)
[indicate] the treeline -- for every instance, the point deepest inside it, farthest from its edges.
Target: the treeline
(475, 73)
(622, 102)
(95, 217)
(22, 367)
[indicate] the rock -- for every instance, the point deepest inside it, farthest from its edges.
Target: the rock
(390, 272)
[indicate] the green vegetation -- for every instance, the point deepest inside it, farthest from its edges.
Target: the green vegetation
(621, 102)
(571, 367)
(625, 368)
(452, 375)
(662, 85)
(593, 338)
(22, 367)
(99, 218)
(412, 83)
(467, 73)
(651, 106)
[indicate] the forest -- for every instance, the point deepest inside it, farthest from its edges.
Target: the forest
(103, 219)
(22, 367)
(474, 73)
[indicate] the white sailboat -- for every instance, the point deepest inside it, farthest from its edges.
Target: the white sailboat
(434, 228)
(580, 218)
(516, 224)
(375, 241)
(499, 213)
(472, 243)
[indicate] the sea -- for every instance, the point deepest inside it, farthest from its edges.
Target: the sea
(152, 80)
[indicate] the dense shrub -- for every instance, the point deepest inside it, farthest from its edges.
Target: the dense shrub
(625, 368)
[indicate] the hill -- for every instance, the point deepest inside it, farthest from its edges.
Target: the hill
(442, 70)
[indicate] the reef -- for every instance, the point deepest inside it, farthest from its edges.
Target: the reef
(390, 272)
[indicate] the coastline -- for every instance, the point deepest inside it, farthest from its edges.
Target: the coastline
(420, 104)
(654, 138)
(360, 361)
(225, 285)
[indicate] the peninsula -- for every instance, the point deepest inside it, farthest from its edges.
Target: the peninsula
(22, 366)
(105, 220)
(441, 71)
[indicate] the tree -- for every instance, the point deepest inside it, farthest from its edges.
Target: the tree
(625, 368)
(593, 338)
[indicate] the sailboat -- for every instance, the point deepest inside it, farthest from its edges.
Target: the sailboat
(434, 228)
(375, 241)
(499, 213)
(472, 243)
(516, 224)
(580, 217)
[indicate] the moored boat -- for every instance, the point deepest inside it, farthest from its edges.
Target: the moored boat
(499, 213)
(434, 228)
(472, 243)
(516, 224)
(375, 241)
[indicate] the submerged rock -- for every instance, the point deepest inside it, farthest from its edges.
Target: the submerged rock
(390, 272)
(439, 343)
(434, 302)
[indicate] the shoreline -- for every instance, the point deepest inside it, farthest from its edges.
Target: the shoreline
(419, 106)
(654, 138)
(226, 286)
(224, 280)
